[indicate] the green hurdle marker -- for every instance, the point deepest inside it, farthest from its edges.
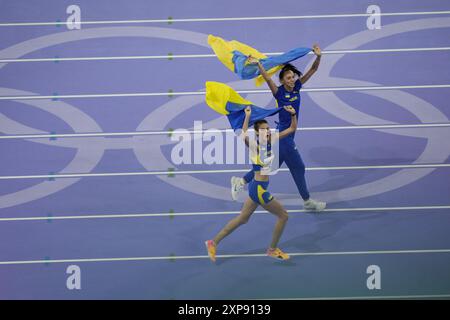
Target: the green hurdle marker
(56, 59)
(169, 20)
(171, 174)
(50, 218)
(170, 93)
(47, 263)
(52, 133)
(55, 96)
(58, 23)
(172, 257)
(170, 56)
(171, 214)
(171, 130)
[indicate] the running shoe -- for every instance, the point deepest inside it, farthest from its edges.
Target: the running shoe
(211, 248)
(277, 254)
(237, 185)
(314, 205)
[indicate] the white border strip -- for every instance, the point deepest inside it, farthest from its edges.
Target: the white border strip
(169, 20)
(151, 133)
(216, 213)
(256, 255)
(190, 93)
(424, 296)
(158, 173)
(178, 56)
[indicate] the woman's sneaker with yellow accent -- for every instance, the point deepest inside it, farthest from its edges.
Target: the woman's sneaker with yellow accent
(277, 254)
(237, 185)
(211, 248)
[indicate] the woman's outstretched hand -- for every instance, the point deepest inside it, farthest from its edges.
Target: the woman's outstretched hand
(252, 60)
(289, 109)
(317, 50)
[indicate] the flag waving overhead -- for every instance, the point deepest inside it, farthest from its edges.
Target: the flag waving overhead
(233, 54)
(224, 100)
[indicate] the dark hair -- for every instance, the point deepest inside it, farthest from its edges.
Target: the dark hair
(258, 123)
(289, 67)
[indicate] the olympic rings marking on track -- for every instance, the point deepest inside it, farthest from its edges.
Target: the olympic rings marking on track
(332, 104)
(87, 156)
(159, 118)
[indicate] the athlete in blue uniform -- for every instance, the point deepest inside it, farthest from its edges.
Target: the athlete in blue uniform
(288, 93)
(261, 156)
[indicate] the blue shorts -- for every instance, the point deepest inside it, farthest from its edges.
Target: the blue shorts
(257, 190)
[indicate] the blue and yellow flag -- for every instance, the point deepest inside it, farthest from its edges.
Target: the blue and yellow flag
(224, 100)
(233, 54)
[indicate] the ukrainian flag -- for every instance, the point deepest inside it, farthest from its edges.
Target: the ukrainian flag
(233, 54)
(224, 100)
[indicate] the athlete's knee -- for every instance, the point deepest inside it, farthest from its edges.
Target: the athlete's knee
(300, 164)
(297, 166)
(284, 216)
(242, 220)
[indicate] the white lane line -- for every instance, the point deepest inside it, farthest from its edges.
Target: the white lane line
(57, 59)
(145, 173)
(420, 296)
(216, 213)
(190, 93)
(151, 133)
(432, 86)
(170, 20)
(178, 56)
(386, 50)
(256, 255)
(381, 126)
